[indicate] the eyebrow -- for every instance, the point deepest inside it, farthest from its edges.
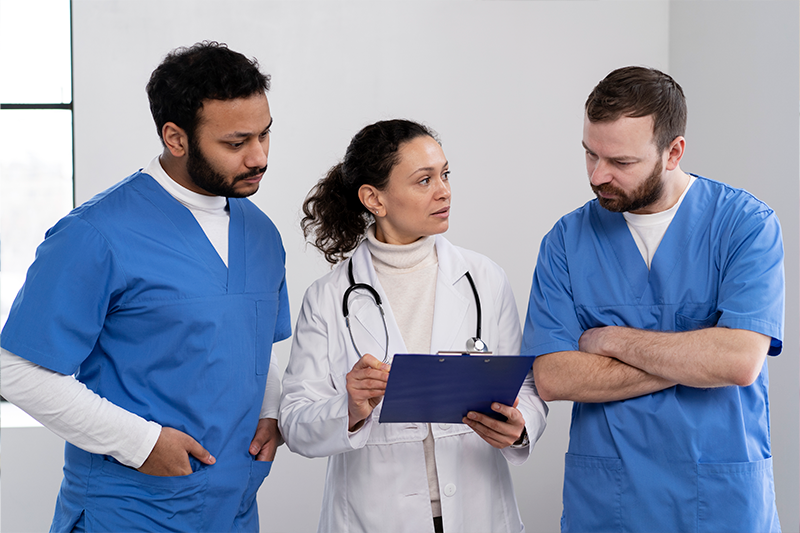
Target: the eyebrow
(430, 169)
(240, 134)
(615, 158)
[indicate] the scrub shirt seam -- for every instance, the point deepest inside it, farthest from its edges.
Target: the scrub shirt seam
(109, 246)
(146, 197)
(563, 346)
(683, 303)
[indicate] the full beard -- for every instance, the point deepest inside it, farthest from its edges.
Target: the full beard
(203, 174)
(648, 193)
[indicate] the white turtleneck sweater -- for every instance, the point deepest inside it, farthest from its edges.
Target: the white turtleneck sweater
(79, 415)
(408, 275)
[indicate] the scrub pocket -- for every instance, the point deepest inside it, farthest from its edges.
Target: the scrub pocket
(124, 499)
(247, 517)
(266, 316)
(687, 323)
(592, 494)
(736, 497)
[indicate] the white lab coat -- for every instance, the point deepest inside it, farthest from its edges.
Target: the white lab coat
(376, 478)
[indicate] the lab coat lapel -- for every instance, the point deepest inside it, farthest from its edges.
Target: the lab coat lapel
(451, 305)
(365, 316)
(193, 237)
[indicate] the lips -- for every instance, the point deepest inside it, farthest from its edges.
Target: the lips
(444, 212)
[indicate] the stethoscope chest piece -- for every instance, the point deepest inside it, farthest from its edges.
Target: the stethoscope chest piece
(475, 344)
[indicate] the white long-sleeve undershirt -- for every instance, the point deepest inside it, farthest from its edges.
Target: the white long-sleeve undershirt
(79, 415)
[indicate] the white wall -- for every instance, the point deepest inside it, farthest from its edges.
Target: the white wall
(739, 69)
(504, 84)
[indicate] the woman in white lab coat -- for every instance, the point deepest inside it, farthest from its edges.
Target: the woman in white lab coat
(386, 206)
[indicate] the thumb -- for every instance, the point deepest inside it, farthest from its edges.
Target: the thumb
(259, 439)
(198, 452)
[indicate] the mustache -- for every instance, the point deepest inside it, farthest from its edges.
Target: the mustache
(607, 188)
(250, 173)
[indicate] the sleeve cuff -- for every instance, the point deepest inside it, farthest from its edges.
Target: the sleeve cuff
(153, 431)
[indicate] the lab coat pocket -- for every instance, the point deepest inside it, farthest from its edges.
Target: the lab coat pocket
(266, 316)
(126, 499)
(736, 497)
(592, 494)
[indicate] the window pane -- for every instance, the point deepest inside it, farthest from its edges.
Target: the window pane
(35, 52)
(35, 189)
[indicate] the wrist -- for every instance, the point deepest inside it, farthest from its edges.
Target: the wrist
(523, 440)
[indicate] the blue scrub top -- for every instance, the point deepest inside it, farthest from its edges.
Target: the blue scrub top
(128, 293)
(681, 459)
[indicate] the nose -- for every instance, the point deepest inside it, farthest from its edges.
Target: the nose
(599, 172)
(442, 189)
(258, 154)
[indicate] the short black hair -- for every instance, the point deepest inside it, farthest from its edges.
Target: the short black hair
(205, 71)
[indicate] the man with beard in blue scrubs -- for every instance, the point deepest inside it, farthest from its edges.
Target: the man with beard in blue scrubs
(653, 308)
(144, 329)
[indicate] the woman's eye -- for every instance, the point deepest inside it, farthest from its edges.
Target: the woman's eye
(446, 175)
(425, 181)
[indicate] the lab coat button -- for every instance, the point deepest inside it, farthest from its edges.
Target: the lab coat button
(449, 489)
(444, 426)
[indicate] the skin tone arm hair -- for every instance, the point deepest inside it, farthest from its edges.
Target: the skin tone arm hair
(617, 363)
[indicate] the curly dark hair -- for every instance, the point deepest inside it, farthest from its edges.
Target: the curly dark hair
(640, 92)
(333, 211)
(205, 71)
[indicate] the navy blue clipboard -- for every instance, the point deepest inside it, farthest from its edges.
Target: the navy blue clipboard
(444, 388)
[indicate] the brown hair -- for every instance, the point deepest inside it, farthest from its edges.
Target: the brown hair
(641, 92)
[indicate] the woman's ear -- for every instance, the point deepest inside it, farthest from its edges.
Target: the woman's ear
(371, 199)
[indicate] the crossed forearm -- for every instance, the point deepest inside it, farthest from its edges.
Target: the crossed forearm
(617, 363)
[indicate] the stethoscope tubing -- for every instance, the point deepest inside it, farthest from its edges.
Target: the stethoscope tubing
(376, 297)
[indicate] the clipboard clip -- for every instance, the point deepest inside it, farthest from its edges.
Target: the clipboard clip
(464, 353)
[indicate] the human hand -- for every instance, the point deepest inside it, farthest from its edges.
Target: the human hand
(591, 339)
(498, 434)
(170, 455)
(366, 384)
(266, 440)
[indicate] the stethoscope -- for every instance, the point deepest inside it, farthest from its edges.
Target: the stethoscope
(474, 344)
